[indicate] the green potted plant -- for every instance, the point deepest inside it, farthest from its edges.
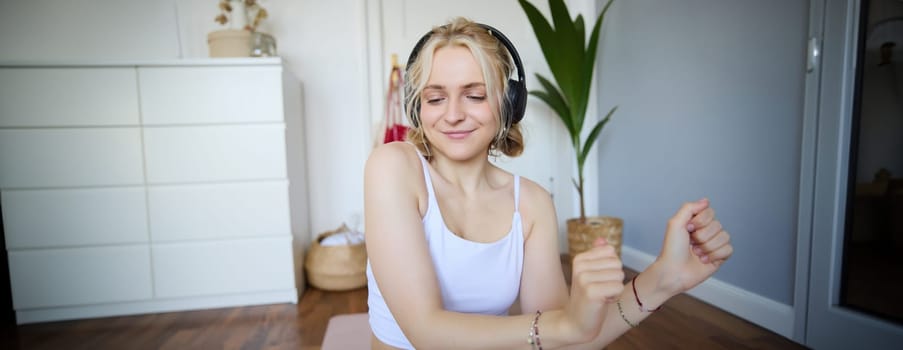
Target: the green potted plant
(571, 60)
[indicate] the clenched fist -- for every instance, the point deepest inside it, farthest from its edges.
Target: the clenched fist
(695, 247)
(597, 279)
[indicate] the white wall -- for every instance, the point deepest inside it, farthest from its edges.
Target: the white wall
(331, 70)
(51, 30)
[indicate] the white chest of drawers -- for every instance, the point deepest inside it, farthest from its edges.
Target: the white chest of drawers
(146, 187)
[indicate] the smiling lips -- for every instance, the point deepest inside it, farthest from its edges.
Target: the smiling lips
(457, 134)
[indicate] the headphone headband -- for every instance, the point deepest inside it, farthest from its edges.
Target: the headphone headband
(515, 94)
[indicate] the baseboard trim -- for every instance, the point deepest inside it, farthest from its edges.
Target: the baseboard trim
(767, 313)
(155, 306)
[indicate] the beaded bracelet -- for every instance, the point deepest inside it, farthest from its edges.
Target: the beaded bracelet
(624, 317)
(640, 303)
(533, 338)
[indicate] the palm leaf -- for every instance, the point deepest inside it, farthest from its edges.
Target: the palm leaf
(594, 134)
(559, 104)
(544, 33)
(571, 64)
(579, 29)
(587, 65)
(551, 100)
(570, 50)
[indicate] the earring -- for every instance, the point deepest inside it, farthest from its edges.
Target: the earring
(501, 139)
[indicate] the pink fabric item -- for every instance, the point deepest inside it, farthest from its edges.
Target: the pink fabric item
(347, 332)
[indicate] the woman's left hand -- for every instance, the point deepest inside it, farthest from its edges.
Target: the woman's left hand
(695, 247)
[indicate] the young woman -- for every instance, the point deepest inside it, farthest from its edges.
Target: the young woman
(453, 240)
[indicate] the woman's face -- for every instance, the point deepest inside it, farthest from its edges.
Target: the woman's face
(455, 112)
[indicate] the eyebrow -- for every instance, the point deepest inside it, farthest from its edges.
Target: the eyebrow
(442, 87)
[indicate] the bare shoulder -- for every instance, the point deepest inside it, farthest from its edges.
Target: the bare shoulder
(393, 175)
(534, 196)
(396, 159)
(536, 206)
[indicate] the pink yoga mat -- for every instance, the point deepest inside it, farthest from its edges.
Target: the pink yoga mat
(347, 332)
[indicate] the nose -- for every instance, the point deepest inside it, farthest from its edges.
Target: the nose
(455, 112)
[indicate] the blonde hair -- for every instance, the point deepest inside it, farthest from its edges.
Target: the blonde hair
(494, 61)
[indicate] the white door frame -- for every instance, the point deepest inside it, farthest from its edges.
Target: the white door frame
(807, 170)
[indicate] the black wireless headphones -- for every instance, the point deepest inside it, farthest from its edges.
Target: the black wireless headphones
(515, 94)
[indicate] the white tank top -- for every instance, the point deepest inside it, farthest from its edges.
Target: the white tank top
(474, 277)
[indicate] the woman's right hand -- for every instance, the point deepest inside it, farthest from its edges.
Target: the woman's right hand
(597, 279)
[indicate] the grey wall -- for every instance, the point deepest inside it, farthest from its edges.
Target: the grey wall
(710, 97)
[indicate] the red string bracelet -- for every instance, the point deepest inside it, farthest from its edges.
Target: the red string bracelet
(640, 303)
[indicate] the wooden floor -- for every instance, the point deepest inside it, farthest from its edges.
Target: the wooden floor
(684, 323)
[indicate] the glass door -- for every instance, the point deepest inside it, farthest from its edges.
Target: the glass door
(856, 266)
(873, 240)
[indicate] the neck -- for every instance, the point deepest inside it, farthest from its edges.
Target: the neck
(469, 175)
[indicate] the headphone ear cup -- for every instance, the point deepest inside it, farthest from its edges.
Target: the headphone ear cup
(516, 98)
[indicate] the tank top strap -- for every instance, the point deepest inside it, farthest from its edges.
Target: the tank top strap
(516, 193)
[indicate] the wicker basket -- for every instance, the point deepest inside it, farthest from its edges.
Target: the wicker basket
(581, 235)
(341, 267)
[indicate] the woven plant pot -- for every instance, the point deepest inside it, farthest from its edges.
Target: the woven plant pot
(581, 235)
(229, 43)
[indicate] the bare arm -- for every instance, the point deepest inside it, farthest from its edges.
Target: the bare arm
(400, 260)
(543, 286)
(695, 246)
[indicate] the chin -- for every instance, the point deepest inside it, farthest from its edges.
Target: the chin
(464, 152)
